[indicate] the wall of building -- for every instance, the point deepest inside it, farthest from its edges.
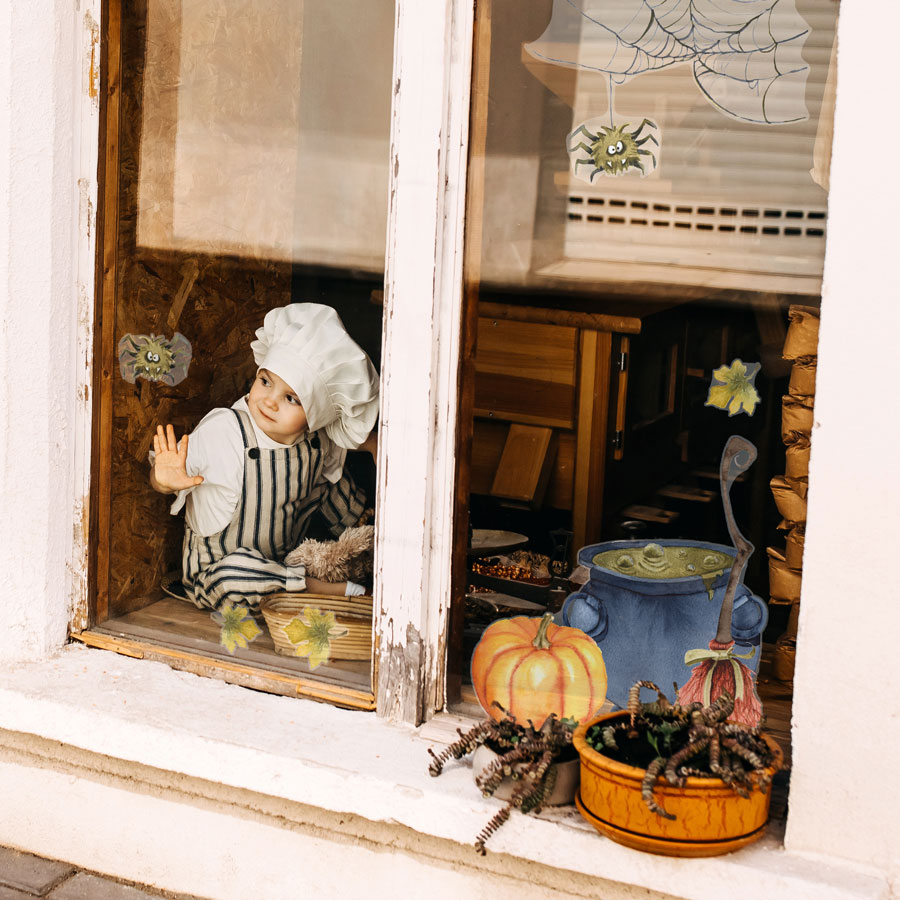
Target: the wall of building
(39, 302)
(846, 723)
(192, 836)
(843, 796)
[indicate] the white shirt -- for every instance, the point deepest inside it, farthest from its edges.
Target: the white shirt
(216, 451)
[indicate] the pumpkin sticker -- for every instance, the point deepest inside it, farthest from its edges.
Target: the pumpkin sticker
(533, 668)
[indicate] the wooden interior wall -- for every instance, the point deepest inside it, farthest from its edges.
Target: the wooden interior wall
(215, 302)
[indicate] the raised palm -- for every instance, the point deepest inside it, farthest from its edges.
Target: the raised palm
(170, 465)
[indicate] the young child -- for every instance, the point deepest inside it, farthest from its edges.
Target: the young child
(251, 476)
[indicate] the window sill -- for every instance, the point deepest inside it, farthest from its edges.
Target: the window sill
(350, 762)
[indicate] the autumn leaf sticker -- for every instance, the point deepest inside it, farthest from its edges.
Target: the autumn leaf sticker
(238, 627)
(312, 632)
(732, 388)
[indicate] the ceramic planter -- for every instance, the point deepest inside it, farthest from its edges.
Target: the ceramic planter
(710, 818)
(564, 789)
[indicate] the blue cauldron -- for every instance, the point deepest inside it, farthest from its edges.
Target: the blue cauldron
(644, 626)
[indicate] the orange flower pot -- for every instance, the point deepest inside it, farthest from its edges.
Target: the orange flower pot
(710, 818)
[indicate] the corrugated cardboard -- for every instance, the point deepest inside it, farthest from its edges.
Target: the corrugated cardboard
(803, 333)
(784, 582)
(793, 550)
(796, 418)
(790, 504)
(803, 378)
(797, 458)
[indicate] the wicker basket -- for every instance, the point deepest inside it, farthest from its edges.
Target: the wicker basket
(352, 613)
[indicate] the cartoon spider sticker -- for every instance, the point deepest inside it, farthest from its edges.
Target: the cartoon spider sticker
(154, 357)
(612, 150)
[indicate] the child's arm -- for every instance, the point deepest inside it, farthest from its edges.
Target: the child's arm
(169, 473)
(332, 589)
(371, 444)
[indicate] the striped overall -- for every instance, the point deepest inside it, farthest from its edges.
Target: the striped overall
(281, 491)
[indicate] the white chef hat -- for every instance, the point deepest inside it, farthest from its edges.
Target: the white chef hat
(306, 345)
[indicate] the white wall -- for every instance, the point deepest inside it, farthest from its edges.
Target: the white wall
(38, 212)
(846, 725)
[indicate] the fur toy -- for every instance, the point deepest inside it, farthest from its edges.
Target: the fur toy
(349, 558)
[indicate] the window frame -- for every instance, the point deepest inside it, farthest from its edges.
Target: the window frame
(423, 259)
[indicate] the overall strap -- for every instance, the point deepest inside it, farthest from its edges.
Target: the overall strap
(248, 435)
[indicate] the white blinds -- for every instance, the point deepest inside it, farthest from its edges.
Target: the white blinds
(733, 201)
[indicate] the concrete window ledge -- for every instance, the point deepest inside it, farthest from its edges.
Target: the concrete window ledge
(133, 769)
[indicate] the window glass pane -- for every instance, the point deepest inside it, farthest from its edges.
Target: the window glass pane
(646, 230)
(265, 130)
(248, 149)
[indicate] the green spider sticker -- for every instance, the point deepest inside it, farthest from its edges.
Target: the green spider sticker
(154, 357)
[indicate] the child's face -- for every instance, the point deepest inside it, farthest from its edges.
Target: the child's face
(275, 408)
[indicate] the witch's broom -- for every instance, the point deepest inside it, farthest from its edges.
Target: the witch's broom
(718, 669)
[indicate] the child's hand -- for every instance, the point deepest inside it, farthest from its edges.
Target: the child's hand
(169, 474)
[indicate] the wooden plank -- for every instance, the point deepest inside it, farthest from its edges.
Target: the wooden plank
(107, 279)
(524, 400)
(489, 438)
(588, 374)
(591, 437)
(182, 625)
(527, 350)
(524, 468)
(687, 492)
(474, 217)
(650, 514)
(569, 317)
(190, 270)
(621, 398)
(562, 480)
(235, 673)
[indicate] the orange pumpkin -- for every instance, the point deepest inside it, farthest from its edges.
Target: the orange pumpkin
(532, 668)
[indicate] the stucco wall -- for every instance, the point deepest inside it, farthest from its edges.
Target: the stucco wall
(192, 836)
(846, 721)
(38, 212)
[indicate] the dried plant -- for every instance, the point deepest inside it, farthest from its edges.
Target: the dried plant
(525, 754)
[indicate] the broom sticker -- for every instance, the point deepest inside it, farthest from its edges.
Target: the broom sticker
(718, 669)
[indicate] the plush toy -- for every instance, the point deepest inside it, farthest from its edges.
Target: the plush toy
(349, 558)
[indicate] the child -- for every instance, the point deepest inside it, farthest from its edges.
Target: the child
(251, 476)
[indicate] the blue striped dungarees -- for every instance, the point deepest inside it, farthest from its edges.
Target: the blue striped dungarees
(281, 490)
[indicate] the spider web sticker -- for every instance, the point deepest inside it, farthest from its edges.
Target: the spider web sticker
(746, 54)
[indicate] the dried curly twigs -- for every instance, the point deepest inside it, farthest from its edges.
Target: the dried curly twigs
(701, 736)
(526, 754)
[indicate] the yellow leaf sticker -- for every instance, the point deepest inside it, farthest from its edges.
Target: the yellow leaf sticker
(732, 388)
(311, 632)
(238, 627)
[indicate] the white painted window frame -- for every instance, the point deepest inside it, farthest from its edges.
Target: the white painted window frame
(420, 353)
